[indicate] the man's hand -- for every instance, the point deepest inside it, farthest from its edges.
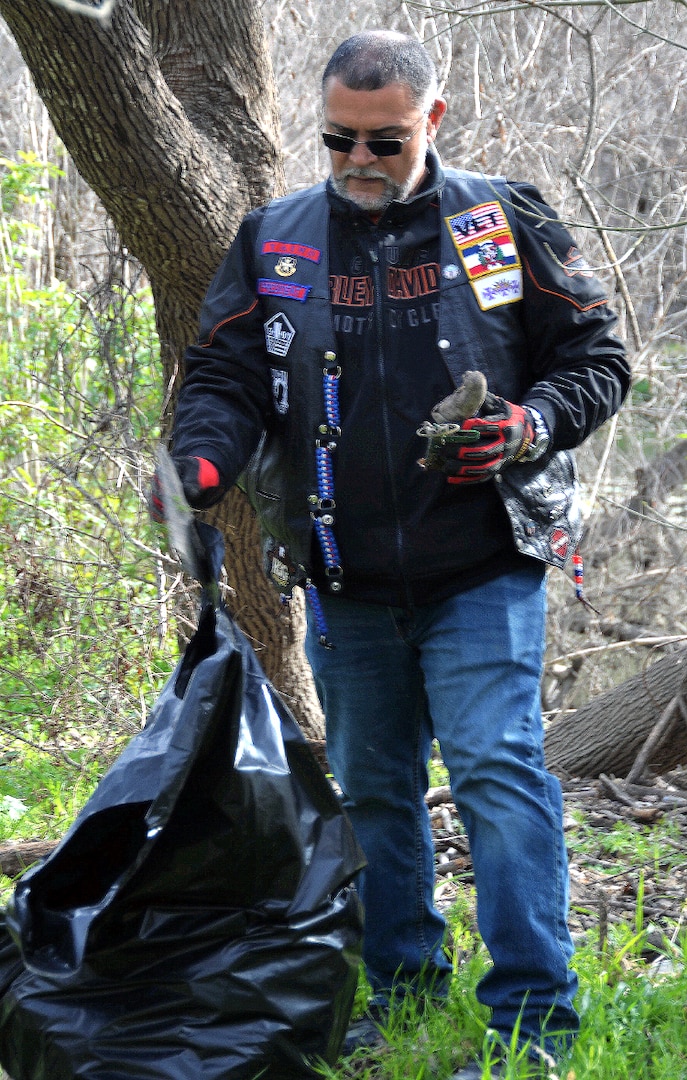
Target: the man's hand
(505, 432)
(200, 481)
(486, 443)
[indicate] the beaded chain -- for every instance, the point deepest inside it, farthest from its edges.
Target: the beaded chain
(325, 504)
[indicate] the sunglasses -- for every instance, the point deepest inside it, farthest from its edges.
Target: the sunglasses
(343, 144)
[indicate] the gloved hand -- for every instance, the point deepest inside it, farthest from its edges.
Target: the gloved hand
(200, 480)
(504, 433)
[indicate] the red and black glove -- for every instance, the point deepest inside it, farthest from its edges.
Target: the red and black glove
(200, 480)
(504, 434)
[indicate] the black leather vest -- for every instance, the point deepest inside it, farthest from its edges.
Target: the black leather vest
(541, 498)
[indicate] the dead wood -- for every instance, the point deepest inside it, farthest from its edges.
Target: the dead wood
(18, 856)
(608, 733)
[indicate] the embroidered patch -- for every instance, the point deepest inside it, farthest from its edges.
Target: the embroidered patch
(485, 245)
(279, 333)
(559, 542)
(496, 252)
(574, 264)
(299, 251)
(280, 390)
(496, 289)
(476, 222)
(290, 289)
(286, 266)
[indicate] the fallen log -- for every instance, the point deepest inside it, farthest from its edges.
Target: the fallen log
(19, 855)
(608, 733)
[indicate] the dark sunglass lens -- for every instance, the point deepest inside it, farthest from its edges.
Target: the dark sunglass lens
(342, 143)
(385, 147)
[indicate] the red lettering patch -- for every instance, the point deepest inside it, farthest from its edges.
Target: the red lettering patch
(300, 251)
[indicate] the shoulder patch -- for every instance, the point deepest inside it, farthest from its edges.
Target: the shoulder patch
(573, 264)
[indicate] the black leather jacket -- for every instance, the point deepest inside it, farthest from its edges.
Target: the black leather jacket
(310, 276)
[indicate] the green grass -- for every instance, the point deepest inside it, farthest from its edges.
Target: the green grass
(632, 1016)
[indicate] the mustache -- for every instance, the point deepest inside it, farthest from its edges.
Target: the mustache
(363, 173)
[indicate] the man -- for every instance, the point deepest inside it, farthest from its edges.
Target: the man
(339, 318)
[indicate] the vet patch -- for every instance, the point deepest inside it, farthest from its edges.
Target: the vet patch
(280, 390)
(485, 245)
(480, 220)
(289, 289)
(279, 333)
(298, 251)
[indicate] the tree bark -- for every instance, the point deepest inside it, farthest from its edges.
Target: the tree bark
(170, 114)
(607, 734)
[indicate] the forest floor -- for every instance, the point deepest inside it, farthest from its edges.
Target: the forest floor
(627, 849)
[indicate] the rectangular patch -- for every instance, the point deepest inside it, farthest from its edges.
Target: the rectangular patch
(475, 222)
(495, 252)
(282, 247)
(290, 289)
(492, 290)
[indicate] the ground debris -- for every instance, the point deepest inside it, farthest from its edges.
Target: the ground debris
(606, 885)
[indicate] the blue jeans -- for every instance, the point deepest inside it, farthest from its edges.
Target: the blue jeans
(465, 671)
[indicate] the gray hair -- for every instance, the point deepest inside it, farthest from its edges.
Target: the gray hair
(374, 58)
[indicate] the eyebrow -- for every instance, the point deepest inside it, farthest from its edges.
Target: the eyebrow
(378, 133)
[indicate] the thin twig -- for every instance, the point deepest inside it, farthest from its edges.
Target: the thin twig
(656, 736)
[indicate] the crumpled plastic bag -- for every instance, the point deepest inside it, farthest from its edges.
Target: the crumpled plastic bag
(198, 920)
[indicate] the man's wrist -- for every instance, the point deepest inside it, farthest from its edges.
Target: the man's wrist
(542, 437)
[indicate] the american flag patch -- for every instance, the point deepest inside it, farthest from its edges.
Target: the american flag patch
(476, 222)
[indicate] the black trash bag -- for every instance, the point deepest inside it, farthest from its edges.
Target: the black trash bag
(197, 922)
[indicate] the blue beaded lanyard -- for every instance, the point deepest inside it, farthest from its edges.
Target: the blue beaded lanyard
(323, 512)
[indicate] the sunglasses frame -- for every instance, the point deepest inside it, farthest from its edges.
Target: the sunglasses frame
(344, 144)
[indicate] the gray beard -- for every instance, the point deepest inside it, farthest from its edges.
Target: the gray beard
(393, 192)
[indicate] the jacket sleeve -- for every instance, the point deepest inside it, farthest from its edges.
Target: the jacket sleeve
(226, 397)
(577, 361)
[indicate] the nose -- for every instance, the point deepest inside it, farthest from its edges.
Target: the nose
(361, 155)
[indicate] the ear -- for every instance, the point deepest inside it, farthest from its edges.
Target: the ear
(435, 116)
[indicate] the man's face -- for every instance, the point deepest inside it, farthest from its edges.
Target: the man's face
(389, 113)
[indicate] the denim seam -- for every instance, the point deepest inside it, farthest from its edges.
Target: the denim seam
(419, 844)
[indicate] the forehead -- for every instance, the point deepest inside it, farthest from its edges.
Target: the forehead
(369, 110)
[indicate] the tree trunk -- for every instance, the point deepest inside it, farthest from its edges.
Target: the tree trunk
(607, 734)
(170, 115)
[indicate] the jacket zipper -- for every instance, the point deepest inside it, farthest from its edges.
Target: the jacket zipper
(376, 259)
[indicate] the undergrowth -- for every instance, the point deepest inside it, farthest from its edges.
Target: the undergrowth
(632, 1021)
